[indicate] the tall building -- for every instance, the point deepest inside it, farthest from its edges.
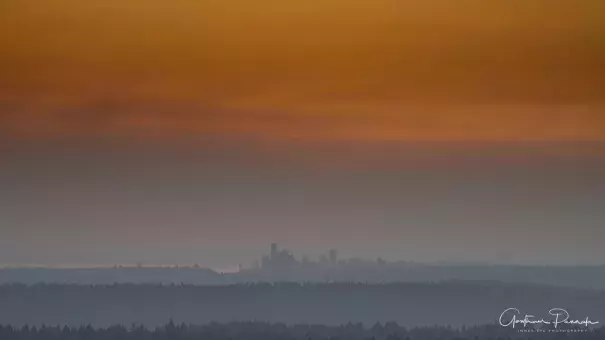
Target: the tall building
(274, 250)
(333, 256)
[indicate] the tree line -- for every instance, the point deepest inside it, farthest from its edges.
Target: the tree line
(279, 331)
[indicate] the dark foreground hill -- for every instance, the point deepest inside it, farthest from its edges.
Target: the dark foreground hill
(266, 331)
(409, 304)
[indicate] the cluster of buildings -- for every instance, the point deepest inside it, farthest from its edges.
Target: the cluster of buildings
(282, 259)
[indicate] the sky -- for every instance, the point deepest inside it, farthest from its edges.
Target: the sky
(200, 131)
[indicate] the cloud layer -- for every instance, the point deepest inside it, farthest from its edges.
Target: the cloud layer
(352, 70)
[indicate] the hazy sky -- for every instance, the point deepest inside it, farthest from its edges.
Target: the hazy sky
(200, 131)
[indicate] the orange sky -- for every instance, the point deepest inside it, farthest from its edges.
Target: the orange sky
(319, 70)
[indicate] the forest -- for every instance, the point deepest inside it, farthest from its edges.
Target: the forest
(410, 304)
(278, 331)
